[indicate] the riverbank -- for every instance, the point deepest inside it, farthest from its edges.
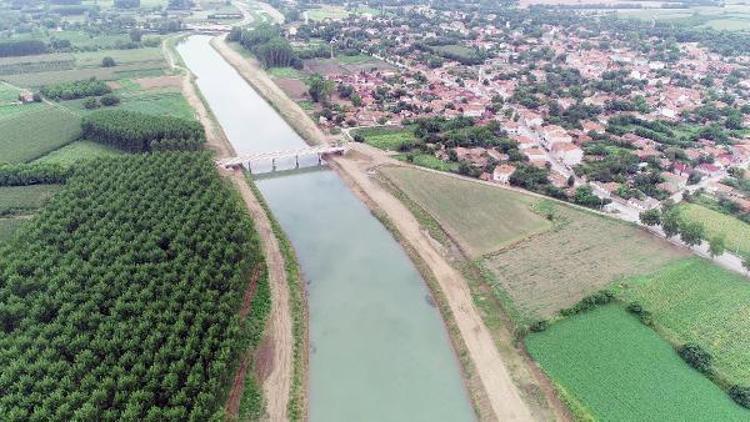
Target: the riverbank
(273, 360)
(503, 400)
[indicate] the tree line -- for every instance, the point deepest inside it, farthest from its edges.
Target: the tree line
(33, 174)
(268, 45)
(22, 48)
(120, 299)
(76, 89)
(140, 132)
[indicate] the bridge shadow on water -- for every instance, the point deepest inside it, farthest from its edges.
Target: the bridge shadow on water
(269, 174)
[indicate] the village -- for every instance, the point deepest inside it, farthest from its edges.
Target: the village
(661, 112)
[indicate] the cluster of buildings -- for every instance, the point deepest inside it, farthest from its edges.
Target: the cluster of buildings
(669, 88)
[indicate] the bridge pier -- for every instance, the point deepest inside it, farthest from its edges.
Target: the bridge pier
(296, 161)
(273, 164)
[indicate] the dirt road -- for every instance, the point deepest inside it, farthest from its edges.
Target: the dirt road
(278, 336)
(504, 397)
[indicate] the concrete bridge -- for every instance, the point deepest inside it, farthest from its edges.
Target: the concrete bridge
(247, 160)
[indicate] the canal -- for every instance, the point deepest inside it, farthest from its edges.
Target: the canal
(379, 350)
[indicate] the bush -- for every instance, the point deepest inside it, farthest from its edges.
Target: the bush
(108, 62)
(539, 326)
(588, 303)
(91, 103)
(644, 315)
(110, 100)
(696, 357)
(741, 395)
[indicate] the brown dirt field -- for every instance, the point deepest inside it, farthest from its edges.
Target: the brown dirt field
(159, 82)
(114, 84)
(293, 88)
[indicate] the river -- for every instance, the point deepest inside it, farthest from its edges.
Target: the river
(379, 350)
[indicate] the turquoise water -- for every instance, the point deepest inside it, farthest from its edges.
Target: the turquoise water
(379, 351)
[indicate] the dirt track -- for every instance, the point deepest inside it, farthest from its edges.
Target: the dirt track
(276, 384)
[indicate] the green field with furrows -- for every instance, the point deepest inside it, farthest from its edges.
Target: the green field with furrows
(30, 134)
(695, 301)
(583, 253)
(736, 232)
(482, 218)
(22, 199)
(78, 151)
(386, 137)
(611, 367)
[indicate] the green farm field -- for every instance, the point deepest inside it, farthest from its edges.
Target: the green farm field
(696, 301)
(583, 253)
(481, 218)
(31, 134)
(78, 151)
(736, 232)
(387, 138)
(20, 199)
(611, 367)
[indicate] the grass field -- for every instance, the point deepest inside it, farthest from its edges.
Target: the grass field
(19, 199)
(135, 70)
(583, 253)
(30, 134)
(482, 218)
(77, 151)
(736, 232)
(695, 301)
(8, 226)
(618, 369)
(429, 161)
(121, 57)
(386, 137)
(286, 72)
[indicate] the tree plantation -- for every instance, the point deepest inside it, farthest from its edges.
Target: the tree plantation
(119, 301)
(139, 132)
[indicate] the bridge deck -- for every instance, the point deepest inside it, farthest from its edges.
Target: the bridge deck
(246, 159)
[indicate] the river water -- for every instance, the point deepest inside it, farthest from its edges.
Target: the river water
(379, 351)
